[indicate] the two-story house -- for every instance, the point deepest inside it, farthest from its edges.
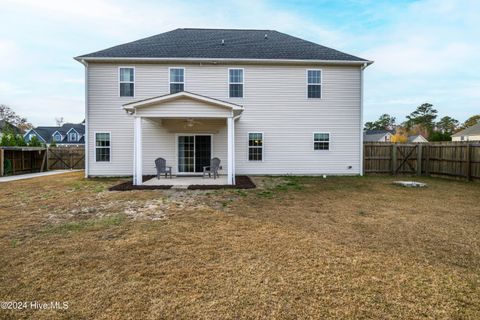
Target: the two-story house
(66, 135)
(264, 102)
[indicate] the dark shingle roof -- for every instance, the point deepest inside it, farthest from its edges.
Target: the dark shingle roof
(238, 44)
(47, 132)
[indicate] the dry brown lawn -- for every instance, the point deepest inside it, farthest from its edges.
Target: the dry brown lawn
(345, 247)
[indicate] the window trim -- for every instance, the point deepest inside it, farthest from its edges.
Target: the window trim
(242, 83)
(55, 133)
(96, 147)
(321, 84)
(248, 146)
(184, 79)
(70, 137)
(134, 80)
(329, 141)
(77, 135)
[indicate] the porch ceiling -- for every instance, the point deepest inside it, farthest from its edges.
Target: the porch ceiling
(193, 125)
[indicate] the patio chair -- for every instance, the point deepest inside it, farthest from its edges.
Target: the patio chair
(212, 168)
(161, 165)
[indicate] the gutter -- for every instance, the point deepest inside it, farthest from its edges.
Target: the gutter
(83, 60)
(362, 68)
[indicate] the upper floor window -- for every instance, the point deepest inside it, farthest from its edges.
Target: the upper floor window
(72, 136)
(235, 83)
(177, 80)
(321, 141)
(255, 146)
(127, 82)
(57, 137)
(314, 83)
(102, 147)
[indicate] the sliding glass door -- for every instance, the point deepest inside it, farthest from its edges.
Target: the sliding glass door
(194, 152)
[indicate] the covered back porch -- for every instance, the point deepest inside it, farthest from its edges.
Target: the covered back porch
(186, 130)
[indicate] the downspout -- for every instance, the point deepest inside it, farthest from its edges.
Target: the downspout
(234, 149)
(361, 117)
(86, 139)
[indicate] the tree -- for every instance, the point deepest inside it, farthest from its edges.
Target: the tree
(440, 136)
(6, 113)
(34, 142)
(400, 136)
(384, 122)
(424, 115)
(447, 125)
(8, 137)
(471, 121)
(59, 121)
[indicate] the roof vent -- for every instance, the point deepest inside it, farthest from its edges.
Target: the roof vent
(223, 42)
(266, 36)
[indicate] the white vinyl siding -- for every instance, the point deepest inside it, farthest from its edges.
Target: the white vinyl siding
(276, 105)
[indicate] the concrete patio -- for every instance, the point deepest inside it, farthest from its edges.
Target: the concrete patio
(186, 181)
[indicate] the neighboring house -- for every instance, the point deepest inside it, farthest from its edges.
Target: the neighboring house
(377, 136)
(417, 139)
(69, 134)
(3, 126)
(262, 101)
(468, 134)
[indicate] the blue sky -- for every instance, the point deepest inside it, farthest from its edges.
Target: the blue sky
(424, 51)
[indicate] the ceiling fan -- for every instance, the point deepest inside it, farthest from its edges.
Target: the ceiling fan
(190, 123)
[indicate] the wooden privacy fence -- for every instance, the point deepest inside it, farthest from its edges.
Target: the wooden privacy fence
(66, 158)
(442, 159)
(19, 160)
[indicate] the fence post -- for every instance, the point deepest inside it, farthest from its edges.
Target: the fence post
(427, 160)
(469, 163)
(419, 159)
(48, 158)
(394, 159)
(2, 157)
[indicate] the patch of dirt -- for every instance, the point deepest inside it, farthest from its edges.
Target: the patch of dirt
(241, 182)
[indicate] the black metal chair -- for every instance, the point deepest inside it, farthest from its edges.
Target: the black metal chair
(212, 168)
(161, 165)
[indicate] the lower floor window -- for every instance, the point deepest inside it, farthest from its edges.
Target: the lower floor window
(255, 146)
(321, 141)
(102, 147)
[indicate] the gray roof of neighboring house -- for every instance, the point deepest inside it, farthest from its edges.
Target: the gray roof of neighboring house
(4, 123)
(374, 135)
(413, 137)
(46, 132)
(473, 130)
(238, 44)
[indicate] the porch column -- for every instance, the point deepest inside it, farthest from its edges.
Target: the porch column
(137, 157)
(230, 151)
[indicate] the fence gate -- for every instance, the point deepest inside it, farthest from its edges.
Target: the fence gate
(405, 158)
(66, 158)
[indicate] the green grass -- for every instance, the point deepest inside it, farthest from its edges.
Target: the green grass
(76, 226)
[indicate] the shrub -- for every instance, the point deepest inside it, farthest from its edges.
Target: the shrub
(34, 142)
